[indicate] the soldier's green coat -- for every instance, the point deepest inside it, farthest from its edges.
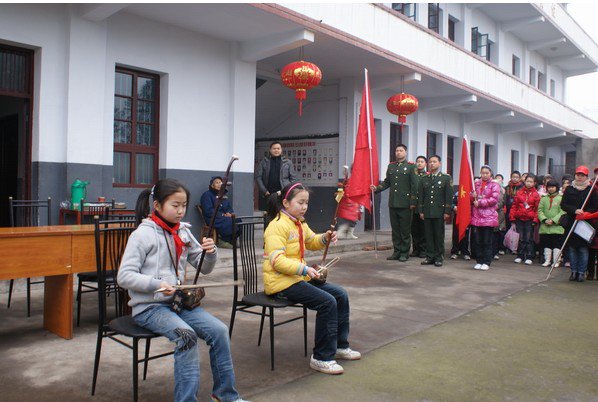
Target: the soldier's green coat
(402, 180)
(435, 195)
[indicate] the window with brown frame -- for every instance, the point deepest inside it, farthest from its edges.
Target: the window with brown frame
(136, 125)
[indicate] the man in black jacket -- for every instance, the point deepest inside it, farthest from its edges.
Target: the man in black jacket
(274, 172)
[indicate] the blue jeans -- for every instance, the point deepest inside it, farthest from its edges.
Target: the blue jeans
(184, 330)
(579, 259)
(332, 318)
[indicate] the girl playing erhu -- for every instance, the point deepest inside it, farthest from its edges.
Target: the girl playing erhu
(287, 275)
(155, 257)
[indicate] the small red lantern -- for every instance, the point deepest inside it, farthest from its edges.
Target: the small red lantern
(402, 104)
(301, 76)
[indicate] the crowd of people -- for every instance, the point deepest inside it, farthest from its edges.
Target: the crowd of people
(530, 216)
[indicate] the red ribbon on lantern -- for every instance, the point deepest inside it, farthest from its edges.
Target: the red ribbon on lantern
(301, 76)
(402, 105)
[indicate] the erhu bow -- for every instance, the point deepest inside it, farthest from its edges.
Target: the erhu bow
(206, 231)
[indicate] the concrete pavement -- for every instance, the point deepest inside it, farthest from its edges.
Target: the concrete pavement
(426, 333)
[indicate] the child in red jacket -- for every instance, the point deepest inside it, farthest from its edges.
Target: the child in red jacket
(524, 212)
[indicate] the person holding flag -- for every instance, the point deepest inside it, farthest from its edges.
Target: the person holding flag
(463, 218)
(402, 181)
(484, 217)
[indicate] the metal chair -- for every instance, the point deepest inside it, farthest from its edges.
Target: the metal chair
(245, 260)
(26, 213)
(89, 211)
(204, 224)
(111, 238)
(87, 281)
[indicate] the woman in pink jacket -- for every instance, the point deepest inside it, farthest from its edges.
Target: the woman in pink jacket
(484, 217)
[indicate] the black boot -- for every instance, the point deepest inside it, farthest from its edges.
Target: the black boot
(573, 276)
(580, 277)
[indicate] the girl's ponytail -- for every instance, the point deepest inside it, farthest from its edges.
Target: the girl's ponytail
(274, 205)
(142, 207)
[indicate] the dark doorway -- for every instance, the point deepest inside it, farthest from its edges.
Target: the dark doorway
(16, 83)
(9, 163)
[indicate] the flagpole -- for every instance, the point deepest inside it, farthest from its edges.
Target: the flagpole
(469, 156)
(367, 112)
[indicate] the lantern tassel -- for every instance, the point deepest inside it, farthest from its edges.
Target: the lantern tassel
(300, 108)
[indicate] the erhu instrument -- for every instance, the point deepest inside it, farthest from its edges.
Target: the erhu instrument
(206, 231)
(339, 196)
(322, 268)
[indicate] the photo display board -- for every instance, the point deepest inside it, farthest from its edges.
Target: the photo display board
(315, 158)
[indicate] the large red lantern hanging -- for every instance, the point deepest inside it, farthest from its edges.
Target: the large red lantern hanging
(301, 76)
(402, 104)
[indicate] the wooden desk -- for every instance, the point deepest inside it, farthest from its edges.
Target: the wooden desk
(55, 252)
(79, 215)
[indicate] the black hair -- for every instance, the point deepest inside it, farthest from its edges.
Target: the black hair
(402, 146)
(436, 156)
(487, 167)
(540, 179)
(160, 192)
(423, 157)
(517, 172)
(501, 176)
(530, 175)
(552, 183)
(567, 177)
(275, 199)
(274, 143)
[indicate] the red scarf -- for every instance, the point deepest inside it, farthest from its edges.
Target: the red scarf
(174, 231)
(301, 244)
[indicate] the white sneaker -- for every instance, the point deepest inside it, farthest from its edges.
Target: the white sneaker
(466, 257)
(501, 252)
(484, 267)
(327, 367)
(453, 256)
(518, 260)
(528, 262)
(477, 266)
(496, 257)
(347, 354)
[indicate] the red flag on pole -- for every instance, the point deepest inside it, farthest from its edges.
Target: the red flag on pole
(465, 188)
(365, 160)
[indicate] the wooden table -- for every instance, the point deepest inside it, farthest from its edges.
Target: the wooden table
(78, 214)
(55, 252)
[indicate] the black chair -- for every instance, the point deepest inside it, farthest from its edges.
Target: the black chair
(87, 281)
(203, 223)
(111, 238)
(26, 213)
(89, 211)
(244, 244)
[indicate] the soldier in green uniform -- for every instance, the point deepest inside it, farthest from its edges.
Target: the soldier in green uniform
(435, 195)
(400, 177)
(417, 224)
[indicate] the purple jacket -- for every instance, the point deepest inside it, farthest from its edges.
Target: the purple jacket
(485, 213)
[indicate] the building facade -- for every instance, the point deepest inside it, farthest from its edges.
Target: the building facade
(123, 94)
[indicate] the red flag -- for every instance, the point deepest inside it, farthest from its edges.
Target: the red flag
(465, 188)
(365, 162)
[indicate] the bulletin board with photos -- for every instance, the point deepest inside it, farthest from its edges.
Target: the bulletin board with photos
(315, 158)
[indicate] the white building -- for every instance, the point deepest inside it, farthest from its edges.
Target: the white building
(122, 94)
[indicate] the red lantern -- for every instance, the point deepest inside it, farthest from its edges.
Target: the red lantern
(301, 76)
(402, 104)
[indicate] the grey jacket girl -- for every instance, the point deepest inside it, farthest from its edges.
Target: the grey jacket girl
(146, 263)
